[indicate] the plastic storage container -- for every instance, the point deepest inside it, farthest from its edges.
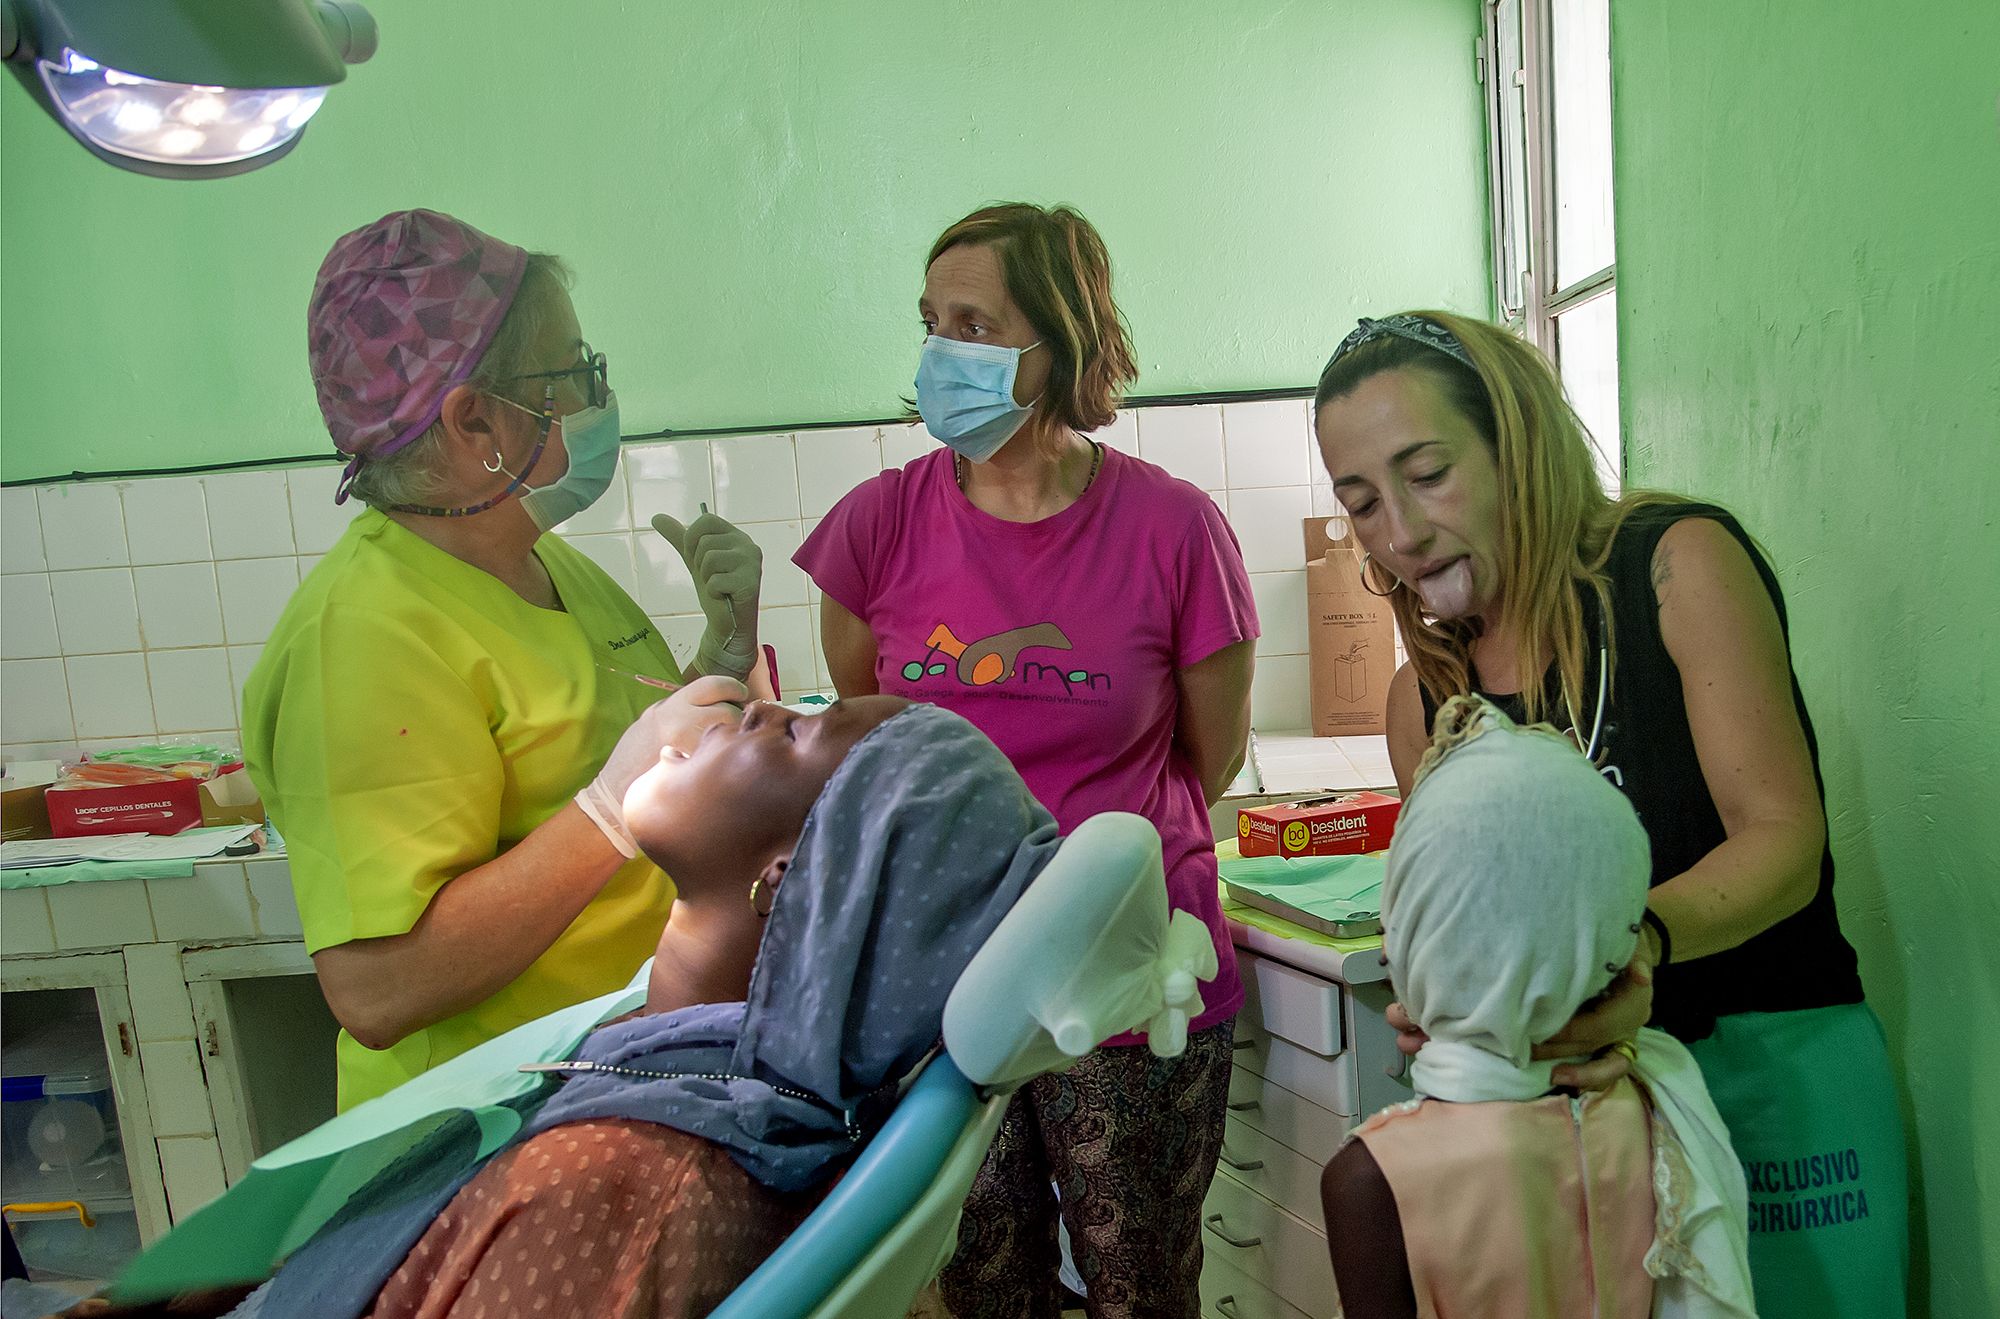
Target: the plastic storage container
(59, 1133)
(59, 1144)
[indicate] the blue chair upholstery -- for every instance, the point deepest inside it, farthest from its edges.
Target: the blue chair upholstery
(875, 1195)
(1089, 951)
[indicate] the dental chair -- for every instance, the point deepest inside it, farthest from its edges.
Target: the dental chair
(1087, 953)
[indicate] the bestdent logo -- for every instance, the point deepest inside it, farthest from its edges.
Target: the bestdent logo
(1296, 835)
(1339, 824)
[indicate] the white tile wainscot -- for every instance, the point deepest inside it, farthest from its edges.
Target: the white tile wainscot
(133, 609)
(219, 1043)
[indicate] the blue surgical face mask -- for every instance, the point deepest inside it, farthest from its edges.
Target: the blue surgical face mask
(965, 394)
(590, 437)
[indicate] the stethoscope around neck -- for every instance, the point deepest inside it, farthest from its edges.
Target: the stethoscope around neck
(1592, 747)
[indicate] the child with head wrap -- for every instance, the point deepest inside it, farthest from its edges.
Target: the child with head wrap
(1513, 896)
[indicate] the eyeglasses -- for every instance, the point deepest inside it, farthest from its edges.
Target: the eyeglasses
(595, 385)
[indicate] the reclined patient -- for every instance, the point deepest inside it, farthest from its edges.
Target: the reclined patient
(1513, 897)
(836, 874)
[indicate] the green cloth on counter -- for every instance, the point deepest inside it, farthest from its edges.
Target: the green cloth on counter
(136, 856)
(1227, 858)
(84, 871)
(1333, 888)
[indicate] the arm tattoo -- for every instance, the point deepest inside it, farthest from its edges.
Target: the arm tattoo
(1663, 572)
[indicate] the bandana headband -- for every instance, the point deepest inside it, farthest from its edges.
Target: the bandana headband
(1416, 329)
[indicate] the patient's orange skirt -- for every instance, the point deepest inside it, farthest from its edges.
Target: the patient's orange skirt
(596, 1218)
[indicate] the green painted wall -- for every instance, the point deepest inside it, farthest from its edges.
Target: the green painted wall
(747, 191)
(1808, 266)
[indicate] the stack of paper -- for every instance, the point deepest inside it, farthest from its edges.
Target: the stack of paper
(192, 844)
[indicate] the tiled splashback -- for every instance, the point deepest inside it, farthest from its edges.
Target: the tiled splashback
(133, 610)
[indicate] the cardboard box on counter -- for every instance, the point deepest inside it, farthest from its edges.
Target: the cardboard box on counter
(108, 796)
(230, 798)
(1350, 636)
(1345, 823)
(126, 808)
(24, 812)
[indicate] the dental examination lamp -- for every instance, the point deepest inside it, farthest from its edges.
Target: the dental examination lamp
(183, 89)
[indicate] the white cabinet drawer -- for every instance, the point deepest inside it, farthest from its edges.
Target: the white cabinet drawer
(1287, 1118)
(1328, 1082)
(1293, 1005)
(1229, 1293)
(1279, 1174)
(1272, 1247)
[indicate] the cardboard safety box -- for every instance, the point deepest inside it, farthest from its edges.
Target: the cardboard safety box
(1350, 636)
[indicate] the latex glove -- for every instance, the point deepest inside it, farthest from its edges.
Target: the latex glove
(1187, 957)
(728, 569)
(678, 721)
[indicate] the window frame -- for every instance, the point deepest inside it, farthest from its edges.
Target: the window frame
(1529, 239)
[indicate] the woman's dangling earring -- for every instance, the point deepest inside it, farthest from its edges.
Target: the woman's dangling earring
(763, 912)
(1368, 561)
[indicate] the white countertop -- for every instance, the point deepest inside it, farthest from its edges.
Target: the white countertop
(226, 900)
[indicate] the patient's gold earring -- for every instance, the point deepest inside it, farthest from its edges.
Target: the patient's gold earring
(756, 884)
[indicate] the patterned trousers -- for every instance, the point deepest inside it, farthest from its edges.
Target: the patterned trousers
(1130, 1141)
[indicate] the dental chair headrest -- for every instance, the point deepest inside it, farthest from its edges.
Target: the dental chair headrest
(1088, 952)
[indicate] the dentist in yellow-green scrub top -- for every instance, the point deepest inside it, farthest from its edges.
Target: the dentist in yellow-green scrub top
(446, 716)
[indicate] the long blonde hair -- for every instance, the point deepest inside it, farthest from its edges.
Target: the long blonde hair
(1556, 522)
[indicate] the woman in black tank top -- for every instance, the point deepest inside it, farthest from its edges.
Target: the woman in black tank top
(1654, 630)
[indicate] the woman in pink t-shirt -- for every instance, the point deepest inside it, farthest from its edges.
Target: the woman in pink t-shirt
(1090, 614)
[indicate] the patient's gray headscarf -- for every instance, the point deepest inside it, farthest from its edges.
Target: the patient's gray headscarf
(920, 843)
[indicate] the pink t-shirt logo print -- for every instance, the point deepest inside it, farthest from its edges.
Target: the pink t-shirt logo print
(993, 659)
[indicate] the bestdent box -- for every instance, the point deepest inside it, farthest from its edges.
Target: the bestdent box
(1319, 826)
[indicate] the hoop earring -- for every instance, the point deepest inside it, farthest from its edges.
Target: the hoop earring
(763, 912)
(498, 463)
(1367, 562)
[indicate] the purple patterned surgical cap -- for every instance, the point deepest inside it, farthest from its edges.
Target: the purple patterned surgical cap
(400, 315)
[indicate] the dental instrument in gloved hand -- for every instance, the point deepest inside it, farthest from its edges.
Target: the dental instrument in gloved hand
(644, 679)
(727, 568)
